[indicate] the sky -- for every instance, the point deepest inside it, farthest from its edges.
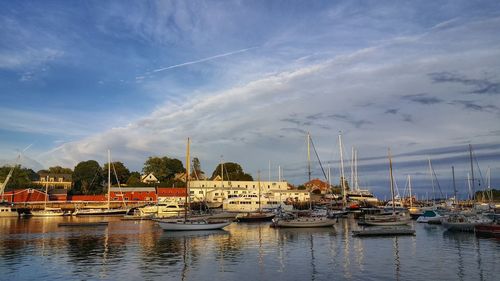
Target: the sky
(247, 80)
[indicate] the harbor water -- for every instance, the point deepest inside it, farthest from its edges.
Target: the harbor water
(37, 249)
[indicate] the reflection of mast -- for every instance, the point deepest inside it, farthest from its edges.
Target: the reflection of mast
(397, 262)
(342, 177)
(187, 182)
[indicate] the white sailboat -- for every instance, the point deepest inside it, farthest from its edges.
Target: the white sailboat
(102, 210)
(47, 211)
(305, 221)
(187, 223)
(391, 219)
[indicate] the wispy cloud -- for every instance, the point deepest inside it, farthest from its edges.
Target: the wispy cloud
(423, 98)
(203, 60)
(481, 86)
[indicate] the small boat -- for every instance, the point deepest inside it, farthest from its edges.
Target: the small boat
(83, 224)
(255, 217)
(191, 225)
(462, 222)
(431, 217)
(488, 229)
(163, 209)
(383, 232)
(393, 219)
(303, 222)
(7, 211)
(48, 212)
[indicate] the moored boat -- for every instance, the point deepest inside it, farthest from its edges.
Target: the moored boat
(255, 217)
(191, 224)
(303, 222)
(430, 216)
(488, 229)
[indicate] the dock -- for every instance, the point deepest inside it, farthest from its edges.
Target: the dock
(83, 224)
(383, 232)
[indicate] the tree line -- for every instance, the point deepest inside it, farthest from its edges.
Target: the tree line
(88, 177)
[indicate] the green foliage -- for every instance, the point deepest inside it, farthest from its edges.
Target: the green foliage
(122, 173)
(484, 195)
(301, 187)
(232, 171)
(163, 168)
(59, 170)
(21, 177)
(87, 178)
(172, 183)
(347, 188)
(134, 179)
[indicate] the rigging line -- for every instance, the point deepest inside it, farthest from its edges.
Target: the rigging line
(119, 186)
(481, 179)
(437, 181)
(315, 152)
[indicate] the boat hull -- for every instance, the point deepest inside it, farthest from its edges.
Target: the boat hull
(100, 212)
(192, 225)
(304, 223)
(487, 229)
(255, 217)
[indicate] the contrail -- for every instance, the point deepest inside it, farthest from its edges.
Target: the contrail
(203, 60)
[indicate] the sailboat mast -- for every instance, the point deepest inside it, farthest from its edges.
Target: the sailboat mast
(342, 178)
(392, 184)
(352, 168)
(258, 178)
(309, 156)
(109, 177)
(409, 187)
(186, 203)
(432, 183)
(454, 185)
(472, 173)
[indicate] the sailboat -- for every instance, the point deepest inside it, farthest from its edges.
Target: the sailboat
(256, 216)
(47, 211)
(466, 221)
(102, 210)
(305, 221)
(5, 208)
(390, 219)
(190, 223)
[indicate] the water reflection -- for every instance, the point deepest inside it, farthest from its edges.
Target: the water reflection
(142, 251)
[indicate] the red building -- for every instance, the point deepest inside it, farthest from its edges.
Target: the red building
(24, 195)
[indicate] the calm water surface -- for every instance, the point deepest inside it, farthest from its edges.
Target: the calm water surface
(37, 249)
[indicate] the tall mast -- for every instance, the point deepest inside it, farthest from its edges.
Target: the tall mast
(392, 184)
(472, 173)
(352, 168)
(356, 179)
(454, 186)
(188, 159)
(109, 177)
(309, 156)
(432, 183)
(258, 178)
(409, 187)
(342, 178)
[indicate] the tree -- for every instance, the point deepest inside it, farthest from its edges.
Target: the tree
(21, 177)
(59, 170)
(232, 171)
(87, 178)
(163, 168)
(197, 172)
(122, 173)
(134, 178)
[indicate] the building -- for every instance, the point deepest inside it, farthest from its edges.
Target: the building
(317, 186)
(149, 178)
(24, 195)
(54, 181)
(216, 191)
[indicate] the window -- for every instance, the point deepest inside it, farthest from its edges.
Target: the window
(200, 192)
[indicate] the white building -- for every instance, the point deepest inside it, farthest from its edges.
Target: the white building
(215, 192)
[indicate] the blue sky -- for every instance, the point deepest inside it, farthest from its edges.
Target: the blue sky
(247, 79)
